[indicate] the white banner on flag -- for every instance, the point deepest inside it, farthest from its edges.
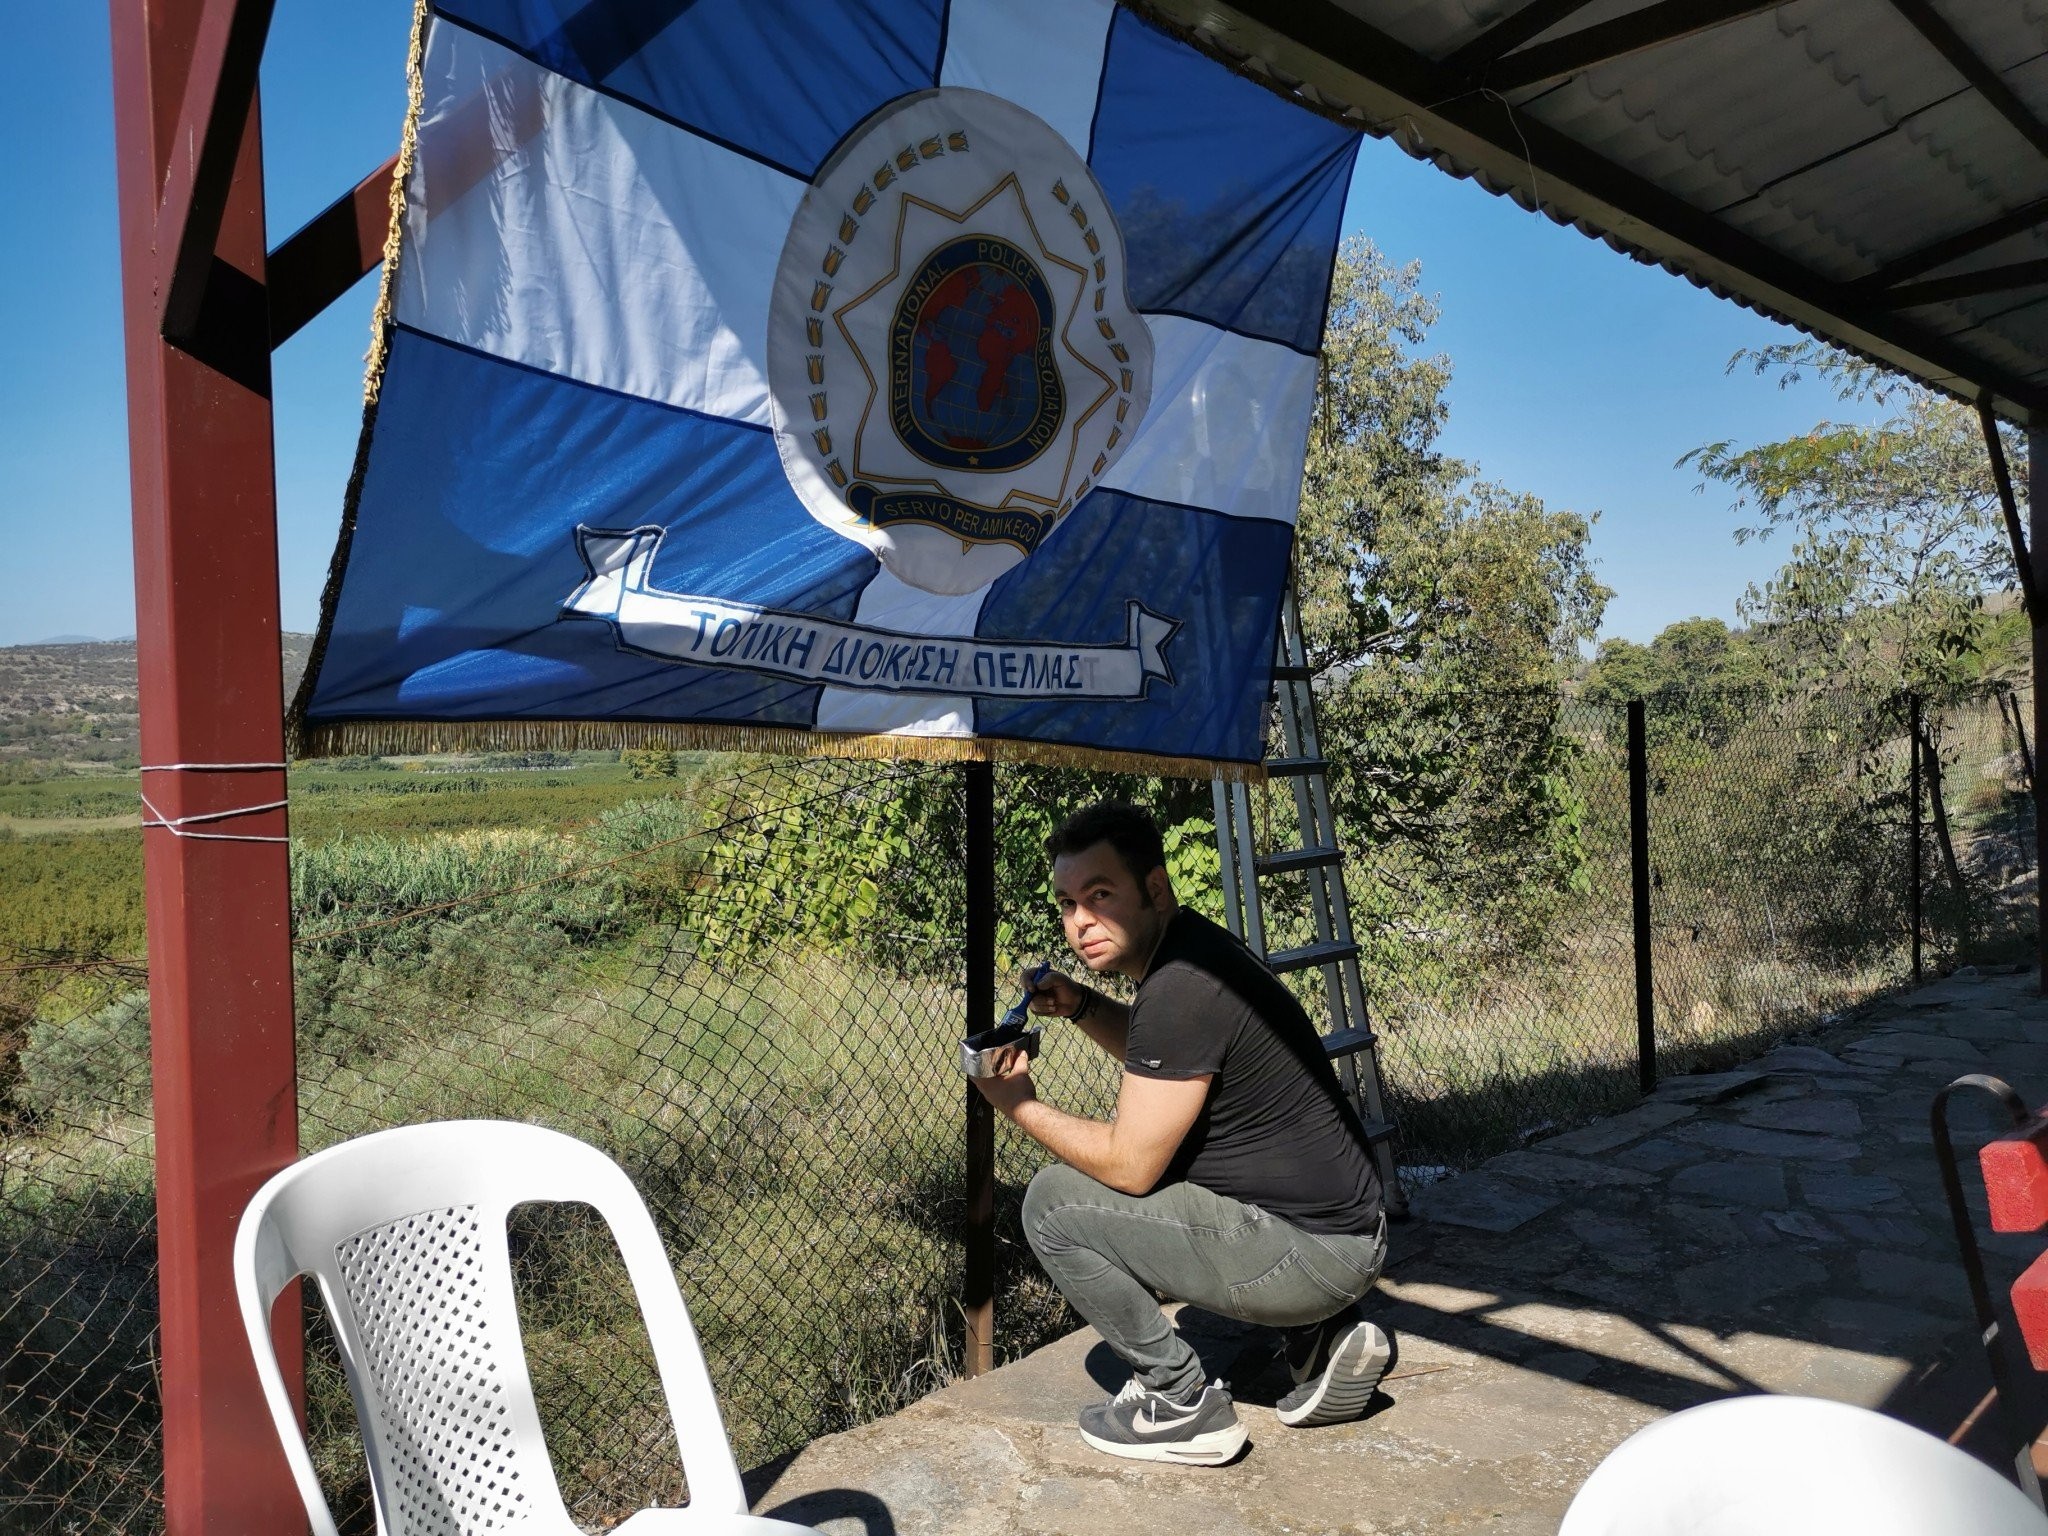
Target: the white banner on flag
(718, 632)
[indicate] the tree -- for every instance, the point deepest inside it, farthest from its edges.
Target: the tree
(1897, 531)
(1442, 614)
(1701, 679)
(1898, 538)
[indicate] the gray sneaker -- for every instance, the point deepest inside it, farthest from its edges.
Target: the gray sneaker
(1150, 1426)
(1338, 1385)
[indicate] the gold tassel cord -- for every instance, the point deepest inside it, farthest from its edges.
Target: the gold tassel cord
(385, 738)
(408, 150)
(373, 376)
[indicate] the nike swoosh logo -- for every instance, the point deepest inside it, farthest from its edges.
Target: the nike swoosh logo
(1155, 1426)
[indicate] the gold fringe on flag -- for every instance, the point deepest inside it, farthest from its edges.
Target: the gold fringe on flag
(374, 360)
(408, 149)
(383, 738)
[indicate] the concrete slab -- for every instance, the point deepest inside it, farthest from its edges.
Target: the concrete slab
(1749, 1141)
(1805, 1058)
(1618, 1131)
(1555, 1171)
(1830, 1190)
(1816, 1117)
(1479, 1200)
(1710, 1087)
(1750, 1182)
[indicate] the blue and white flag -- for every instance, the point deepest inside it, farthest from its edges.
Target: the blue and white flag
(892, 376)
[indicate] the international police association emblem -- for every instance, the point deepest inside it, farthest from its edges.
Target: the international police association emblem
(953, 362)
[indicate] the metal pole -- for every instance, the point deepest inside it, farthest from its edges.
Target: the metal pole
(1639, 879)
(219, 911)
(978, 1280)
(2018, 1444)
(1919, 873)
(2037, 557)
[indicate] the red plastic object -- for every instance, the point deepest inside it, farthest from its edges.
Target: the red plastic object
(2016, 1178)
(2030, 1308)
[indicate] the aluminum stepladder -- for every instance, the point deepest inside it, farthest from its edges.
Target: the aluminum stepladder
(1349, 1040)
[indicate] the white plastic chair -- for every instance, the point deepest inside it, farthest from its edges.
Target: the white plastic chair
(404, 1232)
(1794, 1466)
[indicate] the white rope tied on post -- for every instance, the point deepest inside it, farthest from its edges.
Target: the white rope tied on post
(178, 826)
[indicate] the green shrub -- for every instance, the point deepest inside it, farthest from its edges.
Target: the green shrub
(78, 893)
(91, 1065)
(650, 762)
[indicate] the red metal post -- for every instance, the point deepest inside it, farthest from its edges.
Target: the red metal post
(206, 622)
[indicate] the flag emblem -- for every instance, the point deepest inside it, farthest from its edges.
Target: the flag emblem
(953, 360)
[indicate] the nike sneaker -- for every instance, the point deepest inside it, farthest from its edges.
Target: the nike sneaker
(1337, 1366)
(1150, 1426)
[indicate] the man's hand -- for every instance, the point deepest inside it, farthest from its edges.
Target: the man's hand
(1052, 994)
(1011, 1085)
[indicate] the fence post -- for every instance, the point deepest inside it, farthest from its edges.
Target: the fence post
(1639, 879)
(978, 1278)
(202, 480)
(1919, 874)
(2037, 626)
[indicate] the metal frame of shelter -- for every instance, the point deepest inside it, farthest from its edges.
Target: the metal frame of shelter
(206, 303)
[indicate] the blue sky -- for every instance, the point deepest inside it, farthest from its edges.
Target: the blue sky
(1580, 376)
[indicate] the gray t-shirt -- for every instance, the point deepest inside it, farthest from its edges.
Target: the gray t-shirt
(1276, 1130)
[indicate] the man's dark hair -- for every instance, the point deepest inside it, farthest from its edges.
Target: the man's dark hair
(1129, 829)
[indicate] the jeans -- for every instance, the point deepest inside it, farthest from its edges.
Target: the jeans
(1108, 1252)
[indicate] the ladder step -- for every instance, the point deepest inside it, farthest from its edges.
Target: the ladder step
(1297, 858)
(1287, 672)
(1346, 1042)
(1378, 1130)
(1327, 952)
(1296, 767)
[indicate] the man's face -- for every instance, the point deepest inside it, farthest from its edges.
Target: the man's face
(1111, 920)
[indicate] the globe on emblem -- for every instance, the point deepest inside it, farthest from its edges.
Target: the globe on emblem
(981, 389)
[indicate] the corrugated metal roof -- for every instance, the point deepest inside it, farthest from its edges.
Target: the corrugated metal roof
(1785, 157)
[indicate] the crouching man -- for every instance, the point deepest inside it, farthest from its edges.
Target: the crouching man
(1235, 1174)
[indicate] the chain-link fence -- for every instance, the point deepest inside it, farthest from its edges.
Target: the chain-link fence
(747, 985)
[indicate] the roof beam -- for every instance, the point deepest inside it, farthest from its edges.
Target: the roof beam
(1503, 37)
(1639, 31)
(324, 258)
(220, 83)
(1967, 243)
(1933, 26)
(1405, 95)
(1965, 285)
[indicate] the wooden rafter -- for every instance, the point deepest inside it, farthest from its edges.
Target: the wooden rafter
(1966, 285)
(1654, 26)
(1503, 37)
(1968, 242)
(1935, 27)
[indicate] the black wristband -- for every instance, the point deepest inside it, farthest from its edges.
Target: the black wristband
(1089, 998)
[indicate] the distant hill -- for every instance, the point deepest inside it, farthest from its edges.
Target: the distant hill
(73, 700)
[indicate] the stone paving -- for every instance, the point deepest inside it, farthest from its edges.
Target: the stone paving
(1775, 1228)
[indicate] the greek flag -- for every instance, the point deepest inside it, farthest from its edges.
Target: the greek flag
(921, 377)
